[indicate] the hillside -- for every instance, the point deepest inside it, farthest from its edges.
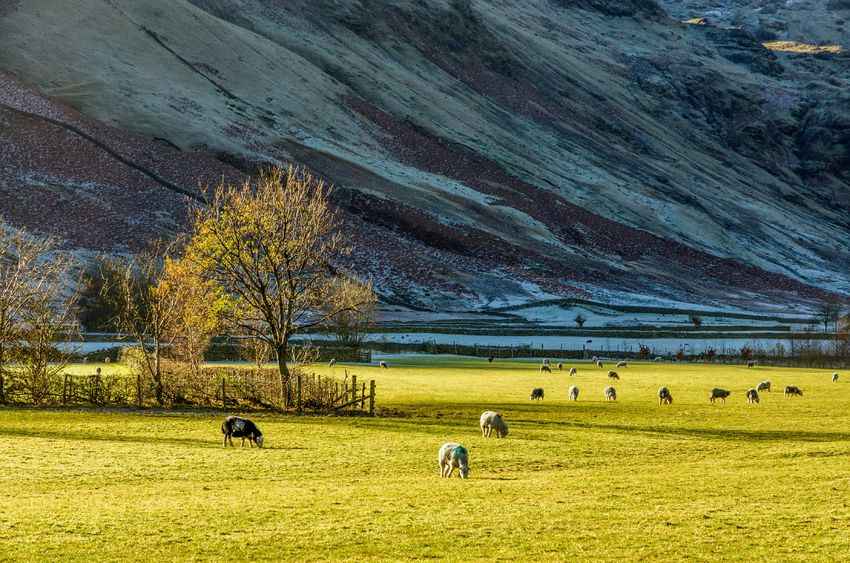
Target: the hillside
(485, 152)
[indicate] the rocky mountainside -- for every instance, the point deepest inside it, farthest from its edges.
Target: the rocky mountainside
(484, 152)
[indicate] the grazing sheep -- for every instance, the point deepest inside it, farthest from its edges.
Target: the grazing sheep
(752, 396)
(241, 428)
(490, 421)
(490, 359)
(573, 372)
(835, 378)
(537, 394)
(792, 390)
(751, 363)
(763, 386)
(595, 358)
(332, 363)
(453, 455)
(599, 364)
(545, 368)
(545, 361)
(384, 365)
(718, 393)
(573, 392)
(622, 364)
(664, 396)
(613, 375)
(610, 394)
(560, 366)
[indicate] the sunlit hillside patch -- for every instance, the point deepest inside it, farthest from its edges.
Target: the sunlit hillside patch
(801, 48)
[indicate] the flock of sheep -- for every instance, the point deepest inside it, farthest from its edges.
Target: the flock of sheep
(453, 455)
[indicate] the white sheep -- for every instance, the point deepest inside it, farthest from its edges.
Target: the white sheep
(752, 397)
(610, 394)
(453, 455)
(573, 391)
(332, 363)
(622, 364)
(573, 372)
(384, 365)
(560, 366)
(490, 421)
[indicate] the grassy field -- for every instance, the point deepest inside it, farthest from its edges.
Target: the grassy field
(588, 480)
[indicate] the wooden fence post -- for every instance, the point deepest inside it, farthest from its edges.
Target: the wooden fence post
(139, 389)
(223, 391)
(363, 397)
(65, 390)
(298, 392)
(353, 388)
(2, 389)
(372, 398)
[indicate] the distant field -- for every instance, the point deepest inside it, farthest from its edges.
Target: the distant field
(588, 480)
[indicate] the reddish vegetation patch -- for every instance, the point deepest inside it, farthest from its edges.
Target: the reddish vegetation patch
(56, 181)
(573, 225)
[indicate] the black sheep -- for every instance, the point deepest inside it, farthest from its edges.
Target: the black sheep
(241, 428)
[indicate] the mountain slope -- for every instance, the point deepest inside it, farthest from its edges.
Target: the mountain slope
(481, 149)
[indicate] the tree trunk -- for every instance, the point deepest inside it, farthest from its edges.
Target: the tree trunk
(285, 378)
(157, 375)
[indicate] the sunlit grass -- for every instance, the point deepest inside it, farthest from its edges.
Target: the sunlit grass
(588, 480)
(801, 48)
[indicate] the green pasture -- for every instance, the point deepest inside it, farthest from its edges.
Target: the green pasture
(589, 480)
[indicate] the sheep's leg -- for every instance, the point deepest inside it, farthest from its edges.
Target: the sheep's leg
(451, 469)
(243, 443)
(225, 440)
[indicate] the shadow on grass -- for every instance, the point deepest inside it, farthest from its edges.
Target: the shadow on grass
(428, 424)
(154, 440)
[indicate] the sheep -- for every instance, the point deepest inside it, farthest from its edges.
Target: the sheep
(537, 394)
(610, 394)
(490, 421)
(835, 377)
(573, 371)
(613, 375)
(595, 358)
(241, 428)
(599, 364)
(763, 386)
(384, 365)
(718, 393)
(545, 368)
(560, 366)
(490, 359)
(664, 396)
(751, 363)
(453, 455)
(752, 397)
(332, 363)
(622, 364)
(545, 361)
(573, 393)
(792, 390)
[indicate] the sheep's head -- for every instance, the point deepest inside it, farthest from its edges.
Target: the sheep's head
(464, 471)
(259, 440)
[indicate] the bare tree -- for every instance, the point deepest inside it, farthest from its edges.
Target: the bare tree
(829, 312)
(271, 245)
(149, 311)
(29, 278)
(351, 324)
(580, 320)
